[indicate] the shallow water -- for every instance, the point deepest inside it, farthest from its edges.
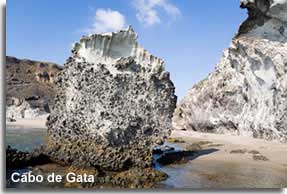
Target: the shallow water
(222, 175)
(193, 174)
(25, 139)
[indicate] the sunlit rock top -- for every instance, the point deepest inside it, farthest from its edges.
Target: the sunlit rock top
(108, 48)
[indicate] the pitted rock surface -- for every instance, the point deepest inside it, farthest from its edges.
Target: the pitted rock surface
(114, 102)
(247, 93)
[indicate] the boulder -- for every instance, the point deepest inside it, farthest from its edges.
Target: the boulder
(114, 102)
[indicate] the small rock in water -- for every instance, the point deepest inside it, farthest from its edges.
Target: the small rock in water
(175, 157)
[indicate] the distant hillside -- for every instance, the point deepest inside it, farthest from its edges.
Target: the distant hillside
(32, 81)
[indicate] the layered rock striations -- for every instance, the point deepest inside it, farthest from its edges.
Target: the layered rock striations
(29, 84)
(114, 102)
(247, 92)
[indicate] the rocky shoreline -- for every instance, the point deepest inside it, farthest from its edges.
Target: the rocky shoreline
(112, 110)
(191, 149)
(39, 163)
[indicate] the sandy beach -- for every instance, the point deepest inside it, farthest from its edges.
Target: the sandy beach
(238, 149)
(35, 123)
(226, 161)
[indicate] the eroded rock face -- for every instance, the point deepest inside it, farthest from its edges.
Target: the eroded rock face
(114, 102)
(31, 81)
(18, 109)
(247, 92)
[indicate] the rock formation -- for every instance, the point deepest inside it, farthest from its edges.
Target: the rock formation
(247, 92)
(30, 81)
(16, 159)
(19, 109)
(114, 102)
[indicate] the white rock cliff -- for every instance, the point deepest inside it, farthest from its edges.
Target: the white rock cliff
(247, 93)
(22, 109)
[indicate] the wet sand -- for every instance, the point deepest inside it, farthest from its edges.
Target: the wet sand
(222, 168)
(275, 152)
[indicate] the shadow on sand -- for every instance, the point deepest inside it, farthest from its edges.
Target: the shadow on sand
(178, 157)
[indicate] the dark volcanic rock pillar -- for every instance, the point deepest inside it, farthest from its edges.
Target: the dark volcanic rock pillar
(114, 102)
